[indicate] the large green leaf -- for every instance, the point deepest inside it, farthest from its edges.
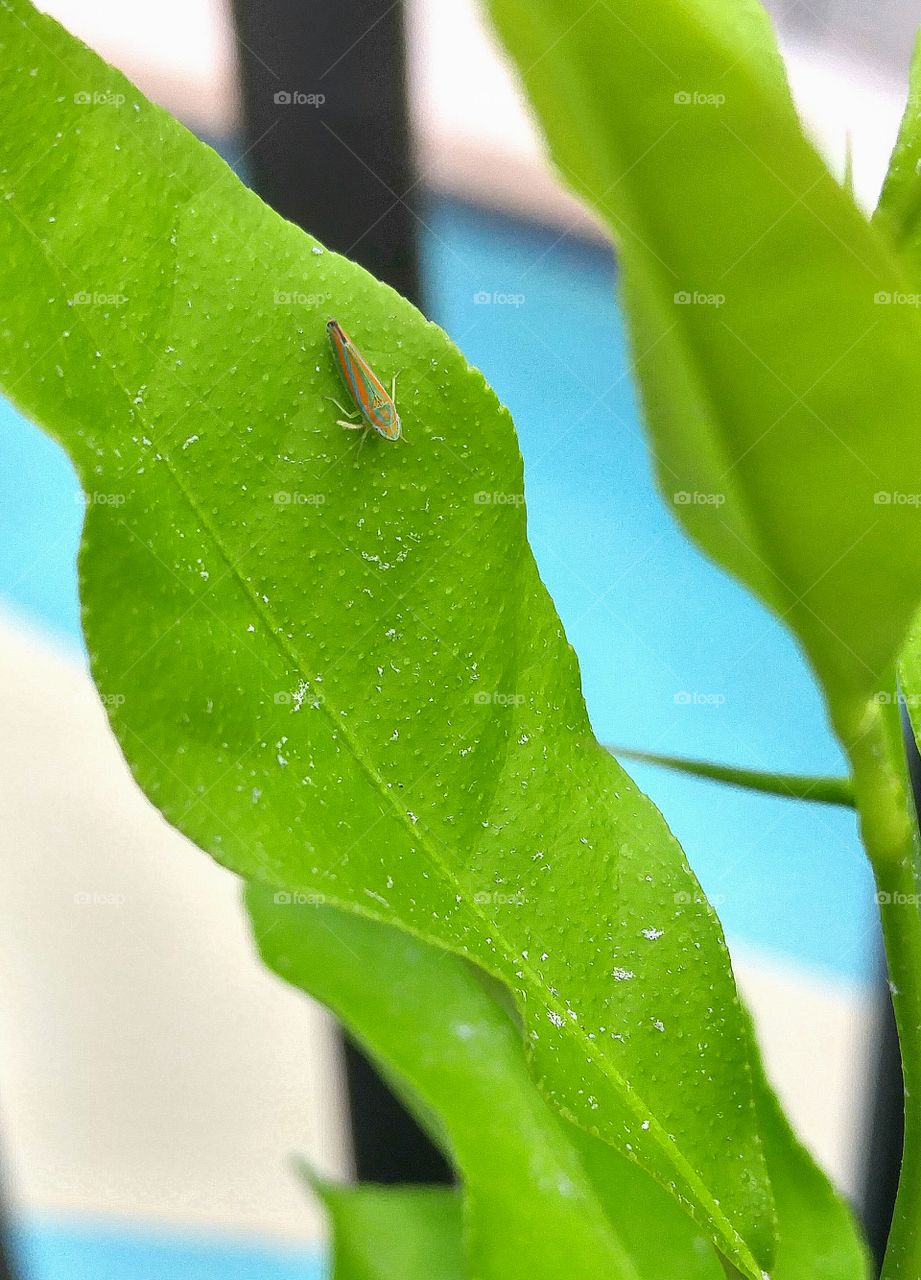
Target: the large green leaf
(534, 1184)
(394, 1233)
(337, 669)
(780, 389)
(530, 1208)
(819, 1239)
(899, 216)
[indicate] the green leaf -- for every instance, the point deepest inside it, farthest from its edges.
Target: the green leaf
(530, 1209)
(780, 396)
(899, 211)
(430, 1023)
(337, 670)
(792, 786)
(819, 1239)
(394, 1233)
(899, 216)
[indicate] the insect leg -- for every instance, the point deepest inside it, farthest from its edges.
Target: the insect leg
(349, 413)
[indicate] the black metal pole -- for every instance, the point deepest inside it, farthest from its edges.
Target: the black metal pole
(884, 1142)
(327, 125)
(328, 146)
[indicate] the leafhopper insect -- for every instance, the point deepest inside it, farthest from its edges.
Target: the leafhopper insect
(374, 406)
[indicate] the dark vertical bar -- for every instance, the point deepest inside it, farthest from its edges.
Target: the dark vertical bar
(327, 124)
(328, 146)
(884, 1144)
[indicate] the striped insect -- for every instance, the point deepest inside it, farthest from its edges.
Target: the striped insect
(375, 407)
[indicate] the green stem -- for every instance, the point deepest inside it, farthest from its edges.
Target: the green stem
(792, 786)
(890, 834)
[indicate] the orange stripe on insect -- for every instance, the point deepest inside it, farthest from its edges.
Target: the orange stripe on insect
(375, 407)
